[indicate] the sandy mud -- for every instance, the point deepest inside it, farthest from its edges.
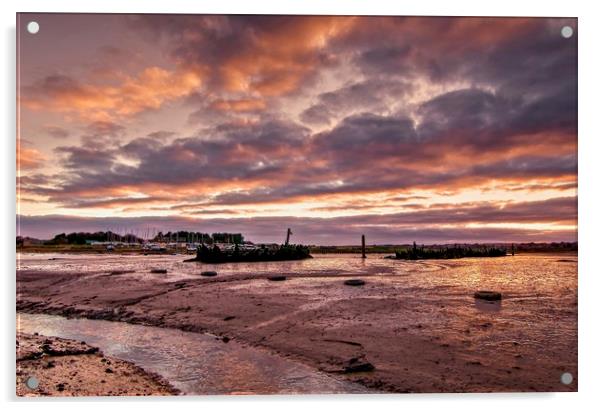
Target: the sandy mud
(62, 367)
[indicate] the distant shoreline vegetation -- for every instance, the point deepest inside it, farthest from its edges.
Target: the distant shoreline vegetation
(258, 254)
(188, 241)
(523, 247)
(87, 238)
(454, 252)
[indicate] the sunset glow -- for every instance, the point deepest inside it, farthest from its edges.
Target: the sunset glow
(429, 129)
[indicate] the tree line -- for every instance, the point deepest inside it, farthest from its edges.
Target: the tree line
(81, 238)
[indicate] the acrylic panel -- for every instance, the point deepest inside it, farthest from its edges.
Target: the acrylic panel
(249, 204)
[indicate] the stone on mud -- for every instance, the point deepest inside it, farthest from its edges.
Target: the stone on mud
(209, 273)
(488, 295)
(357, 364)
(122, 271)
(354, 282)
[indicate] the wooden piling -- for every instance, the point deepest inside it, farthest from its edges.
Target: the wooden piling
(363, 246)
(288, 236)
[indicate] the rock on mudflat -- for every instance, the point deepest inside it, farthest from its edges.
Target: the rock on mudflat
(277, 278)
(209, 273)
(158, 271)
(358, 365)
(122, 272)
(354, 282)
(488, 295)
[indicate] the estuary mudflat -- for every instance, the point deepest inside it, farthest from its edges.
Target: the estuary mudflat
(416, 323)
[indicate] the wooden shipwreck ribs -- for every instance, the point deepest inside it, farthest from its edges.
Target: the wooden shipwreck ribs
(261, 254)
(454, 252)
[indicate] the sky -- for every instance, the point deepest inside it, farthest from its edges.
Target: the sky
(428, 129)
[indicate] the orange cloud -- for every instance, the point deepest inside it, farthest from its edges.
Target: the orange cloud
(28, 158)
(282, 57)
(148, 90)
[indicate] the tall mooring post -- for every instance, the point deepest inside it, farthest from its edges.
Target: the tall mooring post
(512, 249)
(288, 236)
(363, 246)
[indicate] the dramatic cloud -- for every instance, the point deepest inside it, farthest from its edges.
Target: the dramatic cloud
(269, 55)
(374, 95)
(398, 127)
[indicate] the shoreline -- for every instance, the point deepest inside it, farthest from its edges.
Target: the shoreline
(317, 250)
(67, 367)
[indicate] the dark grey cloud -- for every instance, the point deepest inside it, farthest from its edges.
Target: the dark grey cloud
(56, 132)
(529, 166)
(375, 95)
(317, 114)
(487, 121)
(54, 85)
(104, 128)
(222, 153)
(366, 137)
(161, 135)
(530, 67)
(85, 160)
(115, 202)
(467, 110)
(390, 59)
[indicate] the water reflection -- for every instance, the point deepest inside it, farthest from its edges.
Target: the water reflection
(194, 363)
(488, 306)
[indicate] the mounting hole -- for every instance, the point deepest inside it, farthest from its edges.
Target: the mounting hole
(566, 378)
(567, 32)
(33, 27)
(32, 382)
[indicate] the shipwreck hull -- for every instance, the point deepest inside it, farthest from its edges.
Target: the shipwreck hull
(283, 253)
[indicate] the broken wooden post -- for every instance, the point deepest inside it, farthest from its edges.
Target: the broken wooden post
(288, 236)
(363, 246)
(512, 249)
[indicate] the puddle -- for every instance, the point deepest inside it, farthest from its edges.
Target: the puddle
(488, 306)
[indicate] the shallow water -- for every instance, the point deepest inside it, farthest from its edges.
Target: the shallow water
(194, 363)
(521, 275)
(547, 279)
